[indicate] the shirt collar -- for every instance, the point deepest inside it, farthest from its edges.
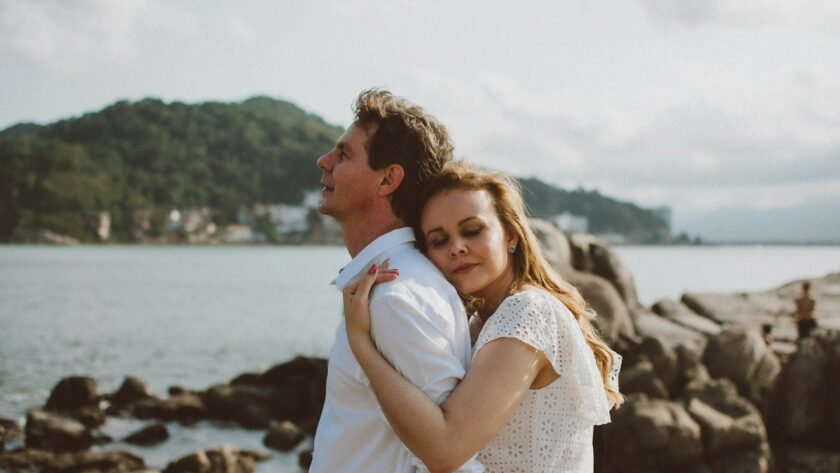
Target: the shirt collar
(374, 249)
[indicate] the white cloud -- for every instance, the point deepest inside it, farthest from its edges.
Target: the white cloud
(72, 36)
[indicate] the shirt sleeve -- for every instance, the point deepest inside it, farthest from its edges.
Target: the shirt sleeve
(546, 324)
(417, 337)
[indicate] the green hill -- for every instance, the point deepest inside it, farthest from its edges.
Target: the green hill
(150, 157)
(156, 156)
(605, 215)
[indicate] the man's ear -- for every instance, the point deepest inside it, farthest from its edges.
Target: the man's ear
(392, 177)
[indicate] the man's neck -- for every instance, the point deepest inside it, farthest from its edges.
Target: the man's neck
(359, 234)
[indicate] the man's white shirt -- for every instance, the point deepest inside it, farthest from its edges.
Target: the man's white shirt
(419, 325)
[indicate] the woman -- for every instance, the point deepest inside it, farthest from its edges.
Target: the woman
(540, 378)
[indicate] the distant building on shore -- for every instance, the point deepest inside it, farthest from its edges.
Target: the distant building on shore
(570, 223)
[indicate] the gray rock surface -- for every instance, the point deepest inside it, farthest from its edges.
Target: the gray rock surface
(50, 431)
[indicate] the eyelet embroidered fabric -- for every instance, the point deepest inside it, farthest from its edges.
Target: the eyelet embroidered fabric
(551, 431)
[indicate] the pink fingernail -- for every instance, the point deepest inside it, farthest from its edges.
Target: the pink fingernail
(372, 269)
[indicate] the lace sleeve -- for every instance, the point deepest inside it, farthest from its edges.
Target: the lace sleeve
(542, 321)
(532, 321)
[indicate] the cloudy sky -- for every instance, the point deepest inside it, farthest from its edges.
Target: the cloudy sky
(727, 111)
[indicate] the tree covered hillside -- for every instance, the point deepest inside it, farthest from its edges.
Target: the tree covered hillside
(154, 156)
(606, 215)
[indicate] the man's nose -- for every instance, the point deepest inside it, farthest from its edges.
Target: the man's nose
(324, 162)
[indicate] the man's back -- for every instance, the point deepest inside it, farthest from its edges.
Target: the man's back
(419, 325)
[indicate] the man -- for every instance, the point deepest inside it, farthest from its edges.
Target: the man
(371, 180)
(804, 315)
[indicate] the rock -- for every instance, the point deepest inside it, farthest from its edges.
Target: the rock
(803, 405)
(197, 462)
(284, 436)
(305, 458)
(648, 324)
(186, 408)
(689, 367)
(720, 394)
(747, 310)
(112, 462)
(799, 459)
(724, 435)
(642, 378)
(73, 393)
(554, 245)
(224, 459)
(250, 406)
(750, 461)
(9, 430)
(613, 319)
(256, 455)
(52, 432)
(679, 313)
(740, 355)
(591, 255)
(579, 244)
(652, 435)
(149, 435)
(299, 388)
(607, 264)
(131, 390)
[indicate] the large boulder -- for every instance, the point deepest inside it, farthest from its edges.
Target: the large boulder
(679, 313)
(73, 393)
(804, 459)
(150, 435)
(554, 244)
(49, 431)
(739, 354)
(250, 406)
(804, 402)
(649, 324)
(224, 459)
(186, 408)
(652, 435)
(613, 320)
(723, 434)
(9, 430)
(32, 460)
(284, 436)
(591, 255)
(130, 391)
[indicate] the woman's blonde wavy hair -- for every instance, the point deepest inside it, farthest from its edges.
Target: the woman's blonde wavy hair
(529, 265)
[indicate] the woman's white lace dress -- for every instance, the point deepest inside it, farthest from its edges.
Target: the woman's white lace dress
(552, 430)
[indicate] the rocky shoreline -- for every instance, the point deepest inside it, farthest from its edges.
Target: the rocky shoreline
(705, 393)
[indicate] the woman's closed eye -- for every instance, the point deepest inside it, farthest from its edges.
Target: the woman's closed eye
(471, 232)
(437, 242)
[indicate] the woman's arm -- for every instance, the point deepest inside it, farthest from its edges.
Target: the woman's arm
(444, 437)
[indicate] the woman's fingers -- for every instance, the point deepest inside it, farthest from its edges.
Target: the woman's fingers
(376, 274)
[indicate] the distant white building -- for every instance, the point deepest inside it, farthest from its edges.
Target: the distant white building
(289, 219)
(570, 223)
(238, 233)
(312, 198)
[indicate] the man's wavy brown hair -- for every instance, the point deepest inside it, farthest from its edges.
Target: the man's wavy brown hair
(403, 134)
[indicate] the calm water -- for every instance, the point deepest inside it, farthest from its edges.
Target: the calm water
(196, 316)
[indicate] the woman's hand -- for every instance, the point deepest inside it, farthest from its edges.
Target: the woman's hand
(357, 302)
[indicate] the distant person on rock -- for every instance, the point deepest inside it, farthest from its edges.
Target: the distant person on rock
(804, 315)
(767, 334)
(371, 182)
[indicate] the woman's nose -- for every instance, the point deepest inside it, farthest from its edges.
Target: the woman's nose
(457, 247)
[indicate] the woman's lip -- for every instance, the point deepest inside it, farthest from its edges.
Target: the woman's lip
(463, 268)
